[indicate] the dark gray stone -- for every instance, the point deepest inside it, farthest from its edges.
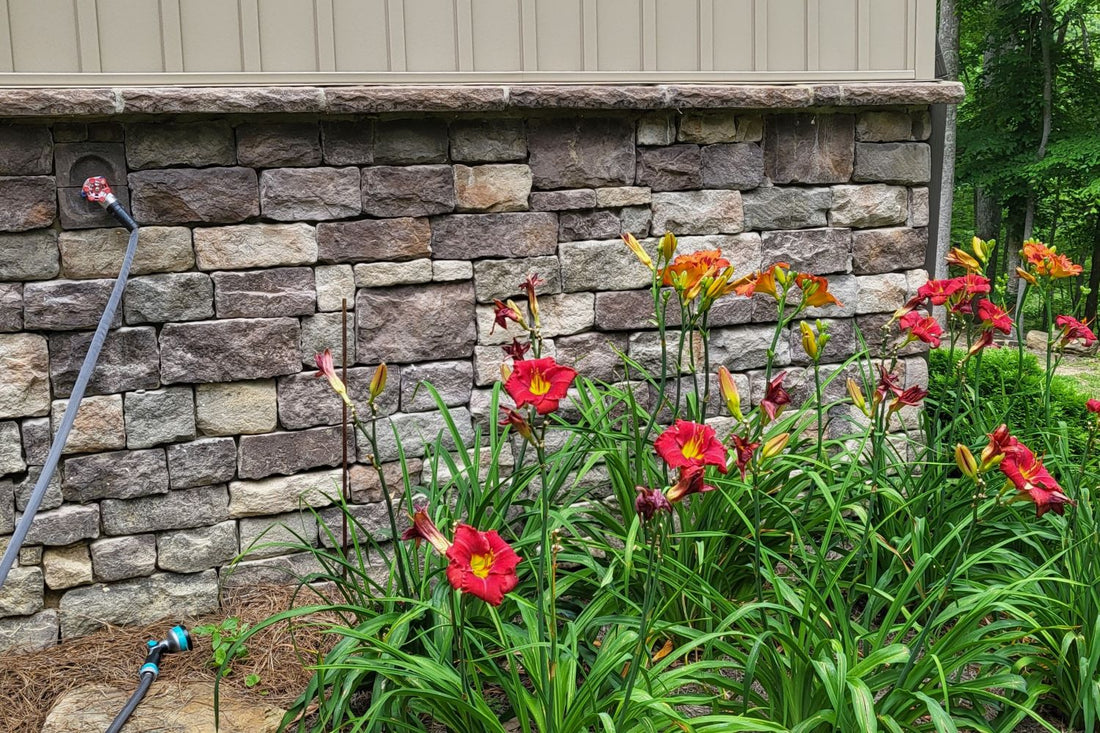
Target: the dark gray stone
(36, 439)
(280, 291)
(30, 202)
(197, 352)
(310, 194)
(416, 190)
(66, 305)
(187, 196)
(25, 150)
(202, 462)
(581, 198)
(159, 416)
(369, 241)
(501, 279)
(129, 361)
(11, 307)
(786, 208)
(581, 152)
(574, 226)
(194, 550)
(877, 251)
(118, 558)
(348, 142)
(474, 236)
(306, 400)
(175, 510)
(410, 141)
(817, 251)
(183, 296)
(441, 316)
(809, 148)
(193, 144)
(736, 165)
(289, 452)
(23, 490)
(593, 355)
(64, 526)
(904, 163)
(453, 381)
(277, 144)
(115, 475)
(841, 345)
(671, 168)
(76, 162)
(488, 141)
(30, 256)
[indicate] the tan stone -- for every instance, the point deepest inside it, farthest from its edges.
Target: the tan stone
(234, 408)
(24, 375)
(613, 198)
(91, 253)
(66, 567)
(99, 424)
(503, 187)
(385, 274)
(280, 494)
(255, 245)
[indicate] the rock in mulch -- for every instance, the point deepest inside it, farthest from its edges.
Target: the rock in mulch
(167, 708)
(1037, 341)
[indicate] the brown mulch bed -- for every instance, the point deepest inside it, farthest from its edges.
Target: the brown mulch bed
(31, 682)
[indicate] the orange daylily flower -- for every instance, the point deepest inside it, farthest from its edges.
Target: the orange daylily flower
(815, 291)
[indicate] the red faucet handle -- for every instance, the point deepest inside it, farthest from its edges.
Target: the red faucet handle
(96, 190)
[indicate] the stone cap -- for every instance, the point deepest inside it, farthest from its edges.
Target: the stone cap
(374, 99)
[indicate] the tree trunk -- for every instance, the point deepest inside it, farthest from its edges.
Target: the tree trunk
(947, 39)
(987, 222)
(1094, 273)
(1046, 40)
(1014, 241)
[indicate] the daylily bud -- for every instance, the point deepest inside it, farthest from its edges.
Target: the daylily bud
(980, 247)
(809, 341)
(728, 388)
(505, 372)
(378, 381)
(518, 423)
(636, 248)
(667, 246)
(518, 318)
(966, 462)
(1025, 275)
(961, 259)
(856, 394)
(775, 446)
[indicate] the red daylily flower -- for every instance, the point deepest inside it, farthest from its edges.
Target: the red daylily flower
(423, 528)
(993, 453)
(887, 383)
(516, 349)
(910, 397)
(502, 314)
(688, 444)
(690, 482)
(743, 450)
(482, 564)
(649, 502)
(815, 290)
(986, 339)
(539, 382)
(775, 397)
(974, 284)
(939, 291)
(1074, 329)
(1093, 406)
(922, 327)
(992, 316)
(1028, 474)
(528, 286)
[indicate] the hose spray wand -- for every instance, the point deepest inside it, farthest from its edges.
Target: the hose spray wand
(179, 640)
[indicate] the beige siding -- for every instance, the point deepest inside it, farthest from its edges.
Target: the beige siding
(318, 41)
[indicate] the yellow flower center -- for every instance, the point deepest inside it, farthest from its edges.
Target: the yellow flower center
(540, 385)
(480, 564)
(692, 450)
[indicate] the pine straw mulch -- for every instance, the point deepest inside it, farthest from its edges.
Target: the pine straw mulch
(30, 683)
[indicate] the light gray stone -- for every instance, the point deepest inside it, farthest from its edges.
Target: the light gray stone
(29, 256)
(29, 633)
(502, 187)
(874, 205)
(612, 198)
(11, 307)
(903, 163)
(200, 507)
(280, 291)
(746, 347)
(787, 208)
(11, 453)
(310, 194)
(698, 212)
(371, 522)
(283, 569)
(23, 489)
(22, 592)
(452, 380)
(415, 190)
(138, 601)
(370, 241)
(817, 251)
(442, 316)
(335, 285)
(98, 253)
(67, 567)
(202, 462)
(580, 152)
(451, 270)
(325, 331)
(645, 350)
(236, 408)
(563, 314)
(285, 453)
(918, 207)
(270, 536)
(419, 430)
(99, 424)
(593, 355)
(129, 360)
(194, 550)
(24, 372)
(280, 494)
(66, 305)
(255, 245)
(115, 475)
(64, 526)
(36, 439)
(488, 141)
(159, 416)
(185, 296)
(387, 274)
(119, 558)
(884, 250)
(602, 265)
(881, 293)
(636, 220)
(656, 128)
(262, 347)
(502, 279)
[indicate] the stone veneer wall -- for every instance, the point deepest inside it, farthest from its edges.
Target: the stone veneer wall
(204, 424)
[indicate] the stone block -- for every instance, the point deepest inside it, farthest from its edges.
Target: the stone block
(918, 207)
(415, 190)
(581, 152)
(563, 314)
(325, 331)
(418, 430)
(578, 225)
(76, 212)
(306, 400)
(594, 355)
(23, 489)
(884, 250)
(366, 487)
(734, 165)
(36, 439)
(844, 287)
(874, 205)
(194, 550)
(99, 424)
(22, 592)
(347, 142)
(270, 536)
(11, 307)
(645, 349)
(283, 569)
(881, 293)
(902, 163)
(24, 368)
(368, 241)
(11, 457)
(202, 462)
(474, 236)
(580, 198)
(809, 148)
(280, 291)
(670, 168)
(746, 347)
(787, 208)
(64, 526)
(656, 128)
(236, 407)
(371, 522)
(115, 475)
(452, 380)
(191, 144)
(159, 416)
(500, 187)
(880, 126)
(817, 251)
(602, 265)
(138, 601)
(313, 194)
(922, 124)
(388, 274)
(129, 360)
(74, 163)
(255, 245)
(262, 347)
(284, 493)
(177, 296)
(488, 141)
(277, 144)
(30, 202)
(29, 256)
(441, 316)
(285, 453)
(410, 141)
(698, 212)
(25, 150)
(636, 220)
(618, 196)
(29, 633)
(487, 363)
(335, 286)
(30, 556)
(708, 127)
(194, 196)
(502, 279)
(119, 558)
(66, 305)
(175, 510)
(842, 344)
(98, 253)
(67, 567)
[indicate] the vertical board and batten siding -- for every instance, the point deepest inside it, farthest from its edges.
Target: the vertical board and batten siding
(362, 41)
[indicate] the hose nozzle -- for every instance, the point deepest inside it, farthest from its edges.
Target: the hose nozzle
(97, 190)
(179, 640)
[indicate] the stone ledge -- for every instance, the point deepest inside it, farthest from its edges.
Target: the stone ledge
(375, 99)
